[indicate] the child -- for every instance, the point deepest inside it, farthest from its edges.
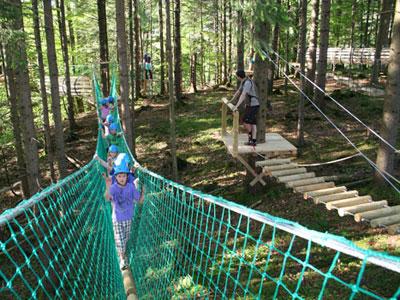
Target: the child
(114, 137)
(147, 71)
(110, 100)
(106, 124)
(123, 196)
(247, 93)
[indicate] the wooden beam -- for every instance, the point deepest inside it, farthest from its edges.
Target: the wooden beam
(335, 197)
(288, 172)
(361, 208)
(348, 202)
(252, 171)
(295, 177)
(273, 162)
(303, 182)
(322, 192)
(314, 187)
(385, 221)
(377, 213)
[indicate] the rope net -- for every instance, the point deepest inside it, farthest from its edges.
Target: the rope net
(184, 245)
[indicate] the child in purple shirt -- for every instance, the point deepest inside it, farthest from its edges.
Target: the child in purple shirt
(105, 109)
(123, 196)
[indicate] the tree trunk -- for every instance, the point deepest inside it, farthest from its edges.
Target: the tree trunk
(103, 42)
(391, 108)
(17, 53)
(312, 48)
(162, 55)
(240, 39)
(193, 73)
(275, 41)
(225, 80)
(230, 44)
(381, 38)
(55, 90)
(171, 93)
(137, 48)
(64, 47)
(302, 61)
(131, 54)
(71, 41)
(123, 72)
(43, 94)
(261, 70)
(366, 35)
(353, 26)
(323, 50)
(178, 52)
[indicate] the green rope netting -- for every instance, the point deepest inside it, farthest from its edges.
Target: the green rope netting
(184, 245)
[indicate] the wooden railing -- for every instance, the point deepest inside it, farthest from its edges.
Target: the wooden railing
(235, 125)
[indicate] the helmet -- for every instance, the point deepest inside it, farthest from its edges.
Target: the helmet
(113, 126)
(113, 149)
(104, 101)
(123, 168)
(109, 119)
(110, 99)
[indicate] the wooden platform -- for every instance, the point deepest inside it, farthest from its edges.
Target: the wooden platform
(275, 145)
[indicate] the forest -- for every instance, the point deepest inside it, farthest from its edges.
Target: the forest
(326, 74)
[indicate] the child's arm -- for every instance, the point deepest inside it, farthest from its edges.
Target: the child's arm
(141, 197)
(107, 194)
(102, 162)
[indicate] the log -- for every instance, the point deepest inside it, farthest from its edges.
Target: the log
(272, 162)
(377, 213)
(334, 197)
(385, 221)
(361, 207)
(322, 192)
(394, 229)
(348, 202)
(280, 167)
(314, 187)
(129, 285)
(285, 179)
(288, 172)
(303, 182)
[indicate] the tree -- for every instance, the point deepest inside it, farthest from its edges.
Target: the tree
(55, 90)
(162, 55)
(391, 107)
(103, 43)
(275, 41)
(193, 72)
(382, 38)
(178, 52)
(171, 93)
(43, 94)
(312, 48)
(323, 50)
(240, 38)
(225, 78)
(137, 48)
(123, 71)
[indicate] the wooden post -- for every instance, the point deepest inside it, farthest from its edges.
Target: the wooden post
(223, 119)
(235, 133)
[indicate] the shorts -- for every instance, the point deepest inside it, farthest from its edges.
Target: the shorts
(250, 115)
(122, 232)
(149, 74)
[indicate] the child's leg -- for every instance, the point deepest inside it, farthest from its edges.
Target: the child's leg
(254, 132)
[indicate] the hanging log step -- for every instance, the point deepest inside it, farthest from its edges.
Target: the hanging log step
(288, 172)
(378, 213)
(335, 197)
(323, 192)
(280, 167)
(272, 162)
(314, 187)
(385, 221)
(348, 202)
(361, 208)
(285, 179)
(304, 182)
(394, 229)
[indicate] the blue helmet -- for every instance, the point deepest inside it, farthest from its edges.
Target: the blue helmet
(113, 149)
(110, 99)
(104, 101)
(109, 119)
(123, 168)
(113, 126)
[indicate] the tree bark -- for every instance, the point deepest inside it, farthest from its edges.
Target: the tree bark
(43, 94)
(71, 41)
(240, 39)
(230, 44)
(193, 73)
(323, 50)
(366, 35)
(103, 42)
(137, 48)
(225, 74)
(381, 38)
(353, 26)
(162, 54)
(123, 72)
(171, 93)
(391, 108)
(312, 48)
(55, 90)
(275, 41)
(302, 61)
(178, 52)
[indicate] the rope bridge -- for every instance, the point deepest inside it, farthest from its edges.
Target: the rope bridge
(184, 245)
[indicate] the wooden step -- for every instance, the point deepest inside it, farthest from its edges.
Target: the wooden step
(349, 210)
(394, 229)
(323, 192)
(377, 213)
(334, 197)
(272, 162)
(280, 167)
(348, 202)
(285, 179)
(314, 187)
(288, 172)
(385, 221)
(303, 182)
